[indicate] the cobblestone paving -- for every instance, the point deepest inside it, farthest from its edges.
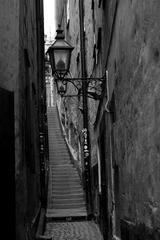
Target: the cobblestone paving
(84, 230)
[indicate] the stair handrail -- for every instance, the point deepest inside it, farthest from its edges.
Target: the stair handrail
(73, 158)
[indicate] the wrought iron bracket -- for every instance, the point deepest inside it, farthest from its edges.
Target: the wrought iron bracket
(94, 86)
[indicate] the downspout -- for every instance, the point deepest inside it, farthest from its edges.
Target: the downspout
(87, 158)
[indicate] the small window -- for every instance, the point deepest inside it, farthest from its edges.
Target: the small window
(68, 17)
(99, 38)
(92, 5)
(77, 59)
(26, 58)
(104, 4)
(94, 51)
(93, 16)
(99, 3)
(112, 107)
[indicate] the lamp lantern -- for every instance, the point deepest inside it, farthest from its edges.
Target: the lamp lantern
(60, 55)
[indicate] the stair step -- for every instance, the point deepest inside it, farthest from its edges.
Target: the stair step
(57, 180)
(60, 164)
(64, 153)
(68, 196)
(63, 182)
(63, 196)
(69, 180)
(66, 201)
(55, 165)
(67, 191)
(68, 171)
(66, 212)
(59, 158)
(62, 187)
(69, 168)
(68, 206)
(63, 175)
(66, 185)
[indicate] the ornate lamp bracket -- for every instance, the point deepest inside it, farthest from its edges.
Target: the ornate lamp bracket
(94, 86)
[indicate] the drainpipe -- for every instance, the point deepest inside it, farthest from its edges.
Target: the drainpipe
(87, 157)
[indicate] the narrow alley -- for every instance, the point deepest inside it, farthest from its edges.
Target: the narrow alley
(80, 119)
(66, 214)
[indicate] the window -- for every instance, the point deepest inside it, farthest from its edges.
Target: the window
(99, 3)
(95, 50)
(93, 16)
(92, 5)
(99, 38)
(68, 18)
(77, 59)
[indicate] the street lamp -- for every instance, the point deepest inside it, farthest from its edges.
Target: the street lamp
(60, 55)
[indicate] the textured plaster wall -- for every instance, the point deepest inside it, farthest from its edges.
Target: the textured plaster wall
(60, 12)
(134, 74)
(18, 32)
(134, 69)
(93, 56)
(27, 159)
(73, 113)
(9, 31)
(9, 57)
(72, 104)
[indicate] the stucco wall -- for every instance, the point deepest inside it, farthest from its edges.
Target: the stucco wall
(131, 54)
(28, 193)
(18, 73)
(9, 31)
(134, 70)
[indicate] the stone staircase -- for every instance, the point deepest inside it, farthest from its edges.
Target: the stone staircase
(65, 192)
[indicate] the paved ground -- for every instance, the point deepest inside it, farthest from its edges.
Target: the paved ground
(84, 230)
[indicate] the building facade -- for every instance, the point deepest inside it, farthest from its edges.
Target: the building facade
(23, 119)
(122, 41)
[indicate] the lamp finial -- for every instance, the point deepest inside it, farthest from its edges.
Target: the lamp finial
(60, 34)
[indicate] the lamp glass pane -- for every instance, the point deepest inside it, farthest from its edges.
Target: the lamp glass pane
(61, 57)
(52, 60)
